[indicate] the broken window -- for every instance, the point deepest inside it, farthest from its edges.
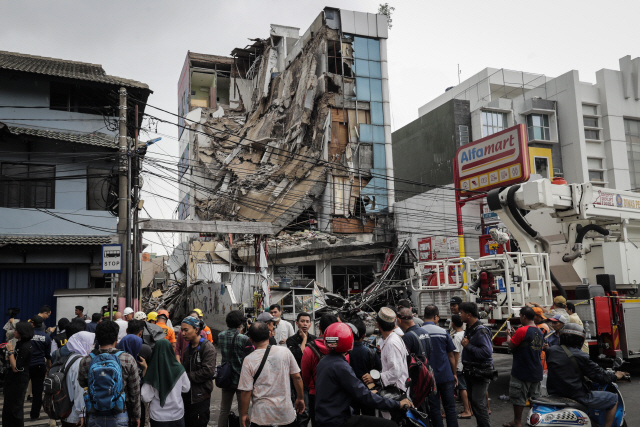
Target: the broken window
(350, 279)
(336, 65)
(335, 57)
(341, 195)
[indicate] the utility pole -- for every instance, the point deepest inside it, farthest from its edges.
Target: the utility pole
(136, 234)
(124, 199)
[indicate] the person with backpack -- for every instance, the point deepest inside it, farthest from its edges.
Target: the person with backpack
(111, 377)
(231, 344)
(40, 364)
(338, 387)
(79, 345)
(313, 353)
(200, 363)
(17, 378)
(265, 380)
(443, 362)
(164, 382)
(477, 357)
(363, 359)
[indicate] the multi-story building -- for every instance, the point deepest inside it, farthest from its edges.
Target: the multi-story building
(588, 132)
(294, 130)
(58, 178)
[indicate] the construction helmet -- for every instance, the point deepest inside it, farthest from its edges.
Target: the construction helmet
(573, 329)
(163, 312)
(197, 310)
(338, 337)
(152, 316)
(140, 315)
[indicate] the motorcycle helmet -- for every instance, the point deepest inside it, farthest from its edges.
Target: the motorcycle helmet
(573, 329)
(338, 337)
(572, 335)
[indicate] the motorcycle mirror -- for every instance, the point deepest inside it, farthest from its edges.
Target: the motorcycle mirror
(617, 362)
(375, 375)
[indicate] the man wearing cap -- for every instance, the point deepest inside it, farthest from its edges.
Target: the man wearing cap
(393, 354)
(559, 306)
(270, 321)
(540, 320)
(200, 364)
(557, 322)
(454, 306)
(79, 312)
(406, 303)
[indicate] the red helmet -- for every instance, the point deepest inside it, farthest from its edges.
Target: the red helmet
(338, 337)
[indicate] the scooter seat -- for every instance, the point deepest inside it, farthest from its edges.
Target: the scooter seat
(559, 401)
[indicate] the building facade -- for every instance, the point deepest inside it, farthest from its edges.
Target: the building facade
(58, 176)
(295, 130)
(586, 132)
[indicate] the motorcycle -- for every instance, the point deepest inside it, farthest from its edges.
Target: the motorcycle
(403, 417)
(564, 412)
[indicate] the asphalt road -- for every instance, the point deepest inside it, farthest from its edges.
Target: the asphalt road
(501, 411)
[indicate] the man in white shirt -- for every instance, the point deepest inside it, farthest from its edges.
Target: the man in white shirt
(269, 388)
(393, 354)
(284, 329)
(123, 324)
(458, 335)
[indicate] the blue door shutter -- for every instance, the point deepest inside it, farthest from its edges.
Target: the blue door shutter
(30, 289)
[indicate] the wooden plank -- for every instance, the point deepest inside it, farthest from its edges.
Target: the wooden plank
(186, 226)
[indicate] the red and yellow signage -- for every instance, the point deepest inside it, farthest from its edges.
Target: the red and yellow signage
(499, 160)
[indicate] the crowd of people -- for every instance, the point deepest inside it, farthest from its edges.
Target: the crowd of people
(138, 367)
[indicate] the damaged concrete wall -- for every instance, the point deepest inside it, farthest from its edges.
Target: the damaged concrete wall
(303, 140)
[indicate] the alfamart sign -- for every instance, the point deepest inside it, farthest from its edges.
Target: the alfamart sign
(498, 160)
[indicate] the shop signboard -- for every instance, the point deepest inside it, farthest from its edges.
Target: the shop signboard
(499, 160)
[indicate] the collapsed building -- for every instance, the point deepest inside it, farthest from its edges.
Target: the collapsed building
(294, 130)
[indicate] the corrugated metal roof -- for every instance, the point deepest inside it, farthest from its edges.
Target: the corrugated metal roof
(98, 139)
(32, 239)
(63, 68)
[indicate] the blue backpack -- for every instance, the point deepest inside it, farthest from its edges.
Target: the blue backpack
(106, 387)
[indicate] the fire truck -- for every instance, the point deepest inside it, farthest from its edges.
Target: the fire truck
(576, 240)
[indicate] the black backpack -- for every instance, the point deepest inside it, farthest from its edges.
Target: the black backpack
(57, 402)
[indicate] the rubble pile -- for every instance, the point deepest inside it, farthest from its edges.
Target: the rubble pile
(299, 238)
(173, 299)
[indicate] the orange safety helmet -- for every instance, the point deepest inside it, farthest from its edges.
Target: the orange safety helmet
(165, 312)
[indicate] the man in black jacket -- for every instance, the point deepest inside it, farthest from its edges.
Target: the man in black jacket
(568, 364)
(337, 387)
(200, 363)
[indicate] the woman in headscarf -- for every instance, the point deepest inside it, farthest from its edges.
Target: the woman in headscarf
(164, 382)
(17, 379)
(79, 345)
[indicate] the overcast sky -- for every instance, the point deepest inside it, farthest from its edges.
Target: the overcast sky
(148, 41)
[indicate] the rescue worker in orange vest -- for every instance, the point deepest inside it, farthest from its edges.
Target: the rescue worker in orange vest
(206, 329)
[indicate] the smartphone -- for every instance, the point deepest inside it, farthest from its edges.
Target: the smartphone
(509, 326)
